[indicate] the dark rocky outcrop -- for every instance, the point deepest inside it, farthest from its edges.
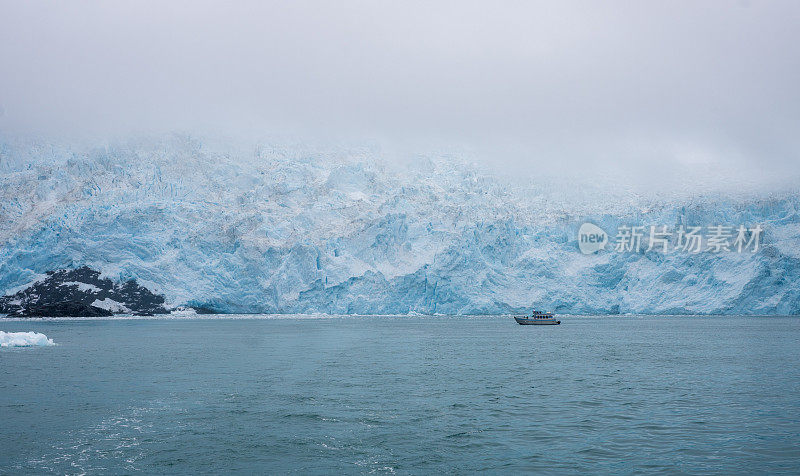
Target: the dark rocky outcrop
(81, 293)
(66, 309)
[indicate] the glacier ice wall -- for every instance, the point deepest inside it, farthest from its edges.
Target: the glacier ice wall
(282, 229)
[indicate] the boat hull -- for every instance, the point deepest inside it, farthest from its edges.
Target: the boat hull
(524, 321)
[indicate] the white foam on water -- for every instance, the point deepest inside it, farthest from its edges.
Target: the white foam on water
(199, 317)
(24, 339)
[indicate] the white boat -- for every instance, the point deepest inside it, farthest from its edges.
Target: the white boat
(538, 319)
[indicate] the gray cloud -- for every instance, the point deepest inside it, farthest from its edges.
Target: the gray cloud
(652, 89)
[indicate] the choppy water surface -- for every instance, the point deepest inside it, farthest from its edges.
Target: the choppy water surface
(404, 395)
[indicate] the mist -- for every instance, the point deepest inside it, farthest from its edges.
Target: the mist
(655, 94)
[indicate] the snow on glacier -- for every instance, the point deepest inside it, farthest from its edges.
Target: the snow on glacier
(24, 339)
(298, 230)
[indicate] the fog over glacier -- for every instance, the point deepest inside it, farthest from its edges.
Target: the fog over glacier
(642, 92)
(432, 157)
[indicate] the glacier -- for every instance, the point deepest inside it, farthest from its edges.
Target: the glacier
(298, 229)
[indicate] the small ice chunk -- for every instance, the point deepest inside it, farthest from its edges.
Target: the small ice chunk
(183, 312)
(24, 339)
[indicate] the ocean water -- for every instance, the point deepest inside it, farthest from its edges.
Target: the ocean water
(403, 395)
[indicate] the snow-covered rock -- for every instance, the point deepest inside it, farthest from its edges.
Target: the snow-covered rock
(80, 292)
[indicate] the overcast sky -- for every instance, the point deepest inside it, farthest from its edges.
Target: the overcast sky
(648, 86)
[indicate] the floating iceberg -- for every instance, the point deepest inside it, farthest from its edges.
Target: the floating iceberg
(24, 339)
